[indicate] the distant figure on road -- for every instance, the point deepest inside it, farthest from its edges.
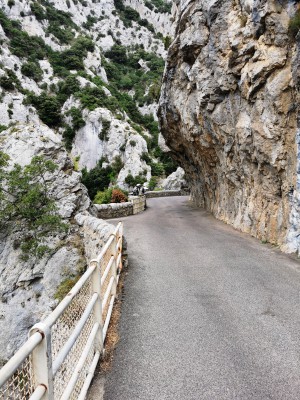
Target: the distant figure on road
(136, 190)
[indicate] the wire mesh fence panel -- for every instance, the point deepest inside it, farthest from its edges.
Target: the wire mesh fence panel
(103, 265)
(83, 374)
(20, 385)
(69, 336)
(61, 331)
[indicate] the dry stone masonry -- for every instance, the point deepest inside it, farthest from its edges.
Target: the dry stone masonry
(228, 112)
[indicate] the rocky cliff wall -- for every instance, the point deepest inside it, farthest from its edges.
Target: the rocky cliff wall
(228, 112)
(28, 288)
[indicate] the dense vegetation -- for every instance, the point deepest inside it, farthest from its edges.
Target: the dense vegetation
(134, 80)
(159, 5)
(111, 195)
(27, 206)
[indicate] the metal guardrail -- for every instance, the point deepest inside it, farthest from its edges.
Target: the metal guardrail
(61, 354)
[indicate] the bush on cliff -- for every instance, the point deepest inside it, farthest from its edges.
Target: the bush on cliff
(27, 205)
(111, 195)
(294, 24)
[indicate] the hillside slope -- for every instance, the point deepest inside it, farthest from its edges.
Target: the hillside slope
(91, 70)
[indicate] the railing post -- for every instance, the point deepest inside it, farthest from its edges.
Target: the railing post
(96, 288)
(42, 361)
(114, 266)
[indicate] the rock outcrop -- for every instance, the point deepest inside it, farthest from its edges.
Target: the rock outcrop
(27, 288)
(115, 74)
(174, 181)
(228, 112)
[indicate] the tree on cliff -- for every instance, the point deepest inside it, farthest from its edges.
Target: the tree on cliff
(26, 205)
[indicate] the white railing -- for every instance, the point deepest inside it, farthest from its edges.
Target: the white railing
(60, 356)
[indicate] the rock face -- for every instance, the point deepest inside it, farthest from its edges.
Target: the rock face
(174, 181)
(228, 112)
(27, 289)
(140, 34)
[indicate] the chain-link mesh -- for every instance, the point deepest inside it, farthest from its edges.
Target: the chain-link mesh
(103, 264)
(61, 331)
(83, 374)
(20, 385)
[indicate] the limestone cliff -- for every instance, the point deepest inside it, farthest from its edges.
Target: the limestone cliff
(91, 70)
(27, 288)
(228, 112)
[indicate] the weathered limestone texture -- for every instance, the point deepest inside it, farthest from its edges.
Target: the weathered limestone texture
(27, 288)
(228, 112)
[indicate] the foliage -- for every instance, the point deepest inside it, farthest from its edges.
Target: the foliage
(48, 108)
(118, 196)
(60, 22)
(294, 24)
(103, 197)
(153, 182)
(133, 181)
(117, 165)
(146, 157)
(76, 115)
(128, 14)
(10, 81)
(32, 70)
(3, 128)
(157, 169)
(167, 42)
(103, 135)
(117, 54)
(97, 179)
(161, 6)
(65, 287)
(111, 195)
(25, 202)
(70, 131)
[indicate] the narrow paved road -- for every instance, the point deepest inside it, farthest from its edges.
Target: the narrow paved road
(208, 312)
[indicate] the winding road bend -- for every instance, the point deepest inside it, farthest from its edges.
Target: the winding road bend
(208, 312)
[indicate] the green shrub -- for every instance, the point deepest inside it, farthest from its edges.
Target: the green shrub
(117, 164)
(26, 202)
(103, 197)
(65, 286)
(294, 24)
(7, 83)
(133, 181)
(111, 195)
(77, 120)
(97, 179)
(32, 70)
(38, 11)
(145, 157)
(157, 169)
(153, 182)
(48, 108)
(117, 54)
(132, 143)
(3, 128)
(103, 135)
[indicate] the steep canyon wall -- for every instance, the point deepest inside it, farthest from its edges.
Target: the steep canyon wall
(228, 112)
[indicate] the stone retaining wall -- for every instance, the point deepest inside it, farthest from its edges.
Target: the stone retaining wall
(135, 205)
(166, 193)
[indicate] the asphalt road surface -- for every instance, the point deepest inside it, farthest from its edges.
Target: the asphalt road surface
(208, 312)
